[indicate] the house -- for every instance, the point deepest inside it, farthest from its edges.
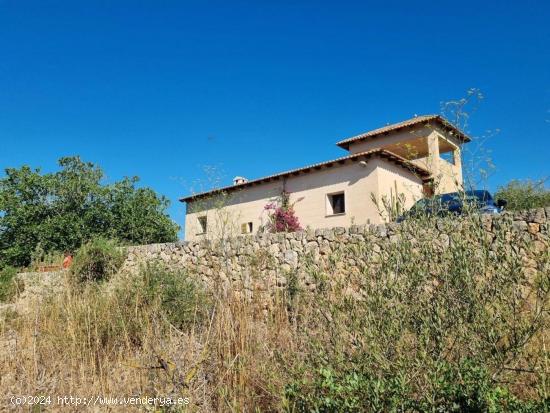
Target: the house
(389, 167)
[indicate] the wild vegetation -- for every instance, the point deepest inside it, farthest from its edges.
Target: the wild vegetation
(431, 324)
(8, 284)
(525, 194)
(41, 214)
(97, 260)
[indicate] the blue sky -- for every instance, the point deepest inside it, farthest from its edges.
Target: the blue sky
(162, 89)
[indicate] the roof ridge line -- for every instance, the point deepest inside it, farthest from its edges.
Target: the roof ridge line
(307, 168)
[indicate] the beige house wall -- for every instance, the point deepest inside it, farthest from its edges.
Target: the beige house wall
(449, 178)
(397, 185)
(226, 214)
(309, 192)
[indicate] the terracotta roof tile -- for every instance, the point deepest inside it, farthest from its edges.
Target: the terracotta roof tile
(381, 153)
(400, 125)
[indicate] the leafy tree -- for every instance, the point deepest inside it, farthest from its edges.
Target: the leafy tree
(62, 210)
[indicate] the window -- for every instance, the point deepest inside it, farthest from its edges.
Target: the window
(202, 225)
(336, 204)
(247, 228)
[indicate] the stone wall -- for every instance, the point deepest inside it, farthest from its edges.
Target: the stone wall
(270, 262)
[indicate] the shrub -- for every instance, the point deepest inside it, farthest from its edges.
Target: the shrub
(97, 260)
(177, 297)
(524, 194)
(467, 386)
(432, 323)
(283, 220)
(102, 320)
(135, 306)
(9, 286)
(282, 217)
(333, 389)
(462, 387)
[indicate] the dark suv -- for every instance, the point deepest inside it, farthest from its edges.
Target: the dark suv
(456, 203)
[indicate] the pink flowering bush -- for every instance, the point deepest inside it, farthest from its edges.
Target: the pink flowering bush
(282, 218)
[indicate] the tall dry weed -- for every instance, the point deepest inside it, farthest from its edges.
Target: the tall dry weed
(430, 321)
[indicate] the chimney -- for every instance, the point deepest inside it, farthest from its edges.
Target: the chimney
(239, 180)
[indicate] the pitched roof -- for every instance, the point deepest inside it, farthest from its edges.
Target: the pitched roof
(440, 120)
(380, 153)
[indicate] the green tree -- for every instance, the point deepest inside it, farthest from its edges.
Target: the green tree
(60, 211)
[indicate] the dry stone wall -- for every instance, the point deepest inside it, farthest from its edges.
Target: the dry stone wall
(270, 262)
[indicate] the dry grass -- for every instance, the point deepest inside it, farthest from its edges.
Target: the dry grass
(399, 316)
(97, 340)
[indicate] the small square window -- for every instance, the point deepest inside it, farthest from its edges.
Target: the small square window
(336, 204)
(203, 223)
(247, 228)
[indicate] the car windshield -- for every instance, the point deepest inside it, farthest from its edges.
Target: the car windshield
(453, 200)
(436, 200)
(479, 196)
(449, 198)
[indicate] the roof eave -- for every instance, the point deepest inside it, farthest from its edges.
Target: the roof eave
(384, 154)
(345, 143)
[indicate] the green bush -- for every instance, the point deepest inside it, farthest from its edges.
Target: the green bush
(434, 323)
(332, 389)
(177, 297)
(97, 260)
(9, 286)
(461, 387)
(524, 194)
